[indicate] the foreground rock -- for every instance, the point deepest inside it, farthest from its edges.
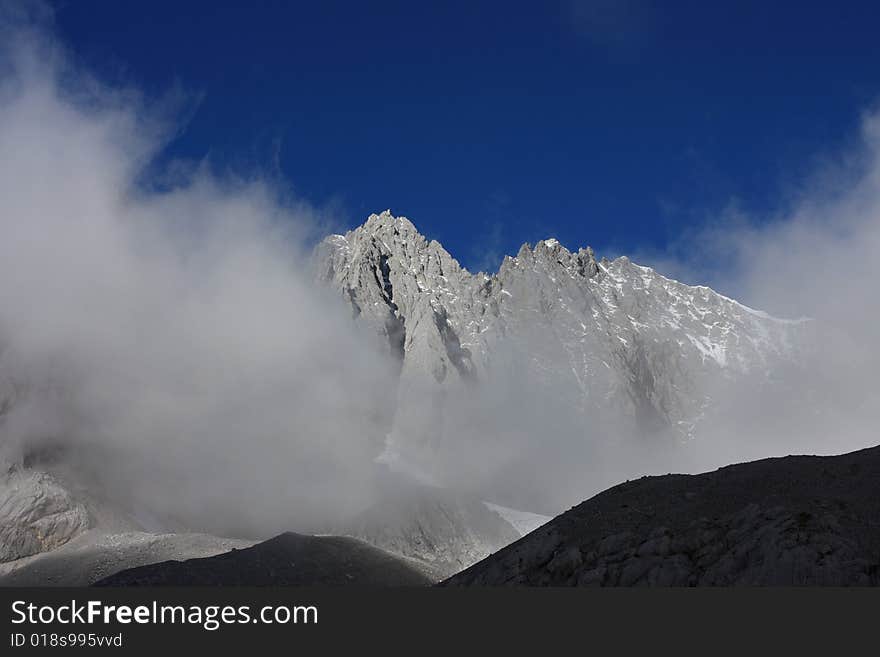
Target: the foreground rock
(799, 520)
(286, 560)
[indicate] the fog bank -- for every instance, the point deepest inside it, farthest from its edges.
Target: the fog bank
(167, 339)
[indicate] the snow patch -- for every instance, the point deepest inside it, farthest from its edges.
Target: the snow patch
(524, 522)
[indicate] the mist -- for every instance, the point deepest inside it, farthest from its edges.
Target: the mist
(167, 342)
(161, 334)
(815, 265)
(816, 260)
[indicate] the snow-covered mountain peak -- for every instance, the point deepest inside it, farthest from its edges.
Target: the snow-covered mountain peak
(385, 221)
(605, 332)
(387, 237)
(552, 258)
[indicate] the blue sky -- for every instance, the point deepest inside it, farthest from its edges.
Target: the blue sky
(616, 124)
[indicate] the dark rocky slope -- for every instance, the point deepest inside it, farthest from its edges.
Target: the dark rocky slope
(286, 560)
(798, 520)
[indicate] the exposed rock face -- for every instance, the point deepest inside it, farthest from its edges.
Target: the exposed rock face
(407, 289)
(798, 520)
(37, 514)
(602, 335)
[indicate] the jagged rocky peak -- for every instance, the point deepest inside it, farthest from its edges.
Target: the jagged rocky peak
(385, 220)
(606, 333)
(552, 254)
(381, 239)
(409, 290)
(389, 234)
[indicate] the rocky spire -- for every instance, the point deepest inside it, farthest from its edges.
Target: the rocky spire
(607, 333)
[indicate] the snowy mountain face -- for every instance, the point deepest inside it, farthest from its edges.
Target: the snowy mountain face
(601, 337)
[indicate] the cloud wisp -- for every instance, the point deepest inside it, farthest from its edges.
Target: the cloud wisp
(169, 342)
(818, 258)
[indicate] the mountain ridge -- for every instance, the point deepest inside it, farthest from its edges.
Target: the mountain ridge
(793, 520)
(605, 337)
(544, 366)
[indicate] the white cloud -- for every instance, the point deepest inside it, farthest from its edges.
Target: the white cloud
(169, 341)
